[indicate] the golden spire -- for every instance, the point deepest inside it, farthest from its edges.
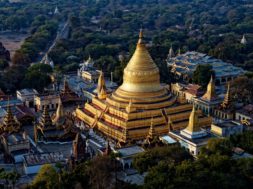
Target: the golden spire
(151, 132)
(193, 125)
(59, 113)
(227, 99)
(210, 93)
(10, 124)
(141, 73)
(101, 88)
(171, 53)
(140, 41)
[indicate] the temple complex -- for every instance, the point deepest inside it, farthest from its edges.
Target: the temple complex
(127, 113)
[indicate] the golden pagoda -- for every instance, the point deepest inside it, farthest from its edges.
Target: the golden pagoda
(125, 114)
(10, 124)
(45, 122)
(193, 125)
(226, 110)
(193, 130)
(210, 93)
(101, 88)
(227, 102)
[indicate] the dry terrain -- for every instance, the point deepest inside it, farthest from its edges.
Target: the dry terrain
(12, 40)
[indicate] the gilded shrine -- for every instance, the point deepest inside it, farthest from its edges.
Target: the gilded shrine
(141, 102)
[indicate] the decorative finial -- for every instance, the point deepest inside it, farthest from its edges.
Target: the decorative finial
(211, 80)
(140, 41)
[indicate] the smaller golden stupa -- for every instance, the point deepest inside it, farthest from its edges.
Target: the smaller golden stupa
(210, 92)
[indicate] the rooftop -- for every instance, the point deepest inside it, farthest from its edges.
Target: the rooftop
(193, 140)
(11, 102)
(168, 139)
(226, 124)
(18, 111)
(240, 153)
(48, 96)
(187, 62)
(44, 158)
(28, 92)
(15, 138)
(130, 151)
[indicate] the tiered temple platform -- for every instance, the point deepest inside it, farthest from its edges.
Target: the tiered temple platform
(127, 113)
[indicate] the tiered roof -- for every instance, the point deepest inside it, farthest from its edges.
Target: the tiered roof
(67, 95)
(10, 124)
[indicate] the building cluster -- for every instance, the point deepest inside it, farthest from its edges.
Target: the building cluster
(48, 128)
(142, 109)
(183, 66)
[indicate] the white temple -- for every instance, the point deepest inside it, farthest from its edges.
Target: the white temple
(56, 10)
(243, 40)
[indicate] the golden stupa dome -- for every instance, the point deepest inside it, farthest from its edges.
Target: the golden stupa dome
(141, 80)
(141, 73)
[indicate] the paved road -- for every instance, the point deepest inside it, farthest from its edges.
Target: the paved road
(62, 33)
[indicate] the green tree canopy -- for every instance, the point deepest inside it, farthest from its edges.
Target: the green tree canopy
(47, 178)
(202, 75)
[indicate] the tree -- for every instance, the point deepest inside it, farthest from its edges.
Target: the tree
(3, 64)
(242, 89)
(11, 78)
(202, 75)
(217, 146)
(243, 140)
(214, 171)
(100, 172)
(37, 77)
(47, 178)
(150, 158)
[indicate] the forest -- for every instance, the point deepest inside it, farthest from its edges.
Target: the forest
(107, 30)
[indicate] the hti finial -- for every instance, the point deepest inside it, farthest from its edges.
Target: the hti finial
(140, 36)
